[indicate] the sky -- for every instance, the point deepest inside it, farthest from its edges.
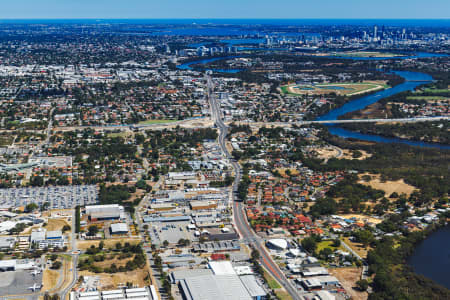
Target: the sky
(214, 9)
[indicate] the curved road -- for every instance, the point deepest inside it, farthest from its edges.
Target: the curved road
(240, 218)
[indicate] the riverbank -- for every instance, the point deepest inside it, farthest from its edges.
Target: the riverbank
(431, 257)
(394, 278)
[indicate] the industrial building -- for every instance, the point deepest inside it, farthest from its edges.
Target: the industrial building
(7, 243)
(217, 287)
(221, 287)
(105, 212)
(119, 228)
(145, 293)
(16, 265)
(181, 175)
(199, 205)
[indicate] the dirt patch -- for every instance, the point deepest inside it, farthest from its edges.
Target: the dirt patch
(388, 187)
(348, 278)
(293, 172)
(113, 281)
(49, 280)
(110, 243)
(56, 224)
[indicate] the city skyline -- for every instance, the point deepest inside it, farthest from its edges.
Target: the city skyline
(201, 9)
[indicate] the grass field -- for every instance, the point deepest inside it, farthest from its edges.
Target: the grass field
(427, 98)
(283, 295)
(110, 243)
(328, 244)
(357, 247)
(431, 90)
(273, 284)
(343, 89)
(150, 122)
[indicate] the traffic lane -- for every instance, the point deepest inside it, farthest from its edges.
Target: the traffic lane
(266, 260)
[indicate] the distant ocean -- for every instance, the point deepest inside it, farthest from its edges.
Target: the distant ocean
(281, 22)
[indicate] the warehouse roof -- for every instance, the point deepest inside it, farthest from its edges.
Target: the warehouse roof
(221, 267)
(119, 227)
(183, 274)
(217, 287)
(252, 286)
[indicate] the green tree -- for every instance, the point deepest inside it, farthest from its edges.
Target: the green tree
(77, 219)
(66, 228)
(255, 255)
(92, 230)
(336, 243)
(31, 207)
(362, 284)
(309, 244)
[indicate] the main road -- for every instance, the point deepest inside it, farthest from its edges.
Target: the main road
(240, 219)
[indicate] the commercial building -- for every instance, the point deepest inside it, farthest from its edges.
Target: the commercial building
(43, 239)
(278, 244)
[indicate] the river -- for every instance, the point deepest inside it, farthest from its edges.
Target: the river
(187, 66)
(431, 258)
(412, 80)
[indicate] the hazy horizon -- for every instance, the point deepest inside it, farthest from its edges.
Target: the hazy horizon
(231, 9)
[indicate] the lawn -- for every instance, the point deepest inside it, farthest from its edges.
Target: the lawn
(273, 284)
(123, 134)
(328, 244)
(367, 54)
(150, 122)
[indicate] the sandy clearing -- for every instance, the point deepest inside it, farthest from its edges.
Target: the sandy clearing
(398, 186)
(362, 218)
